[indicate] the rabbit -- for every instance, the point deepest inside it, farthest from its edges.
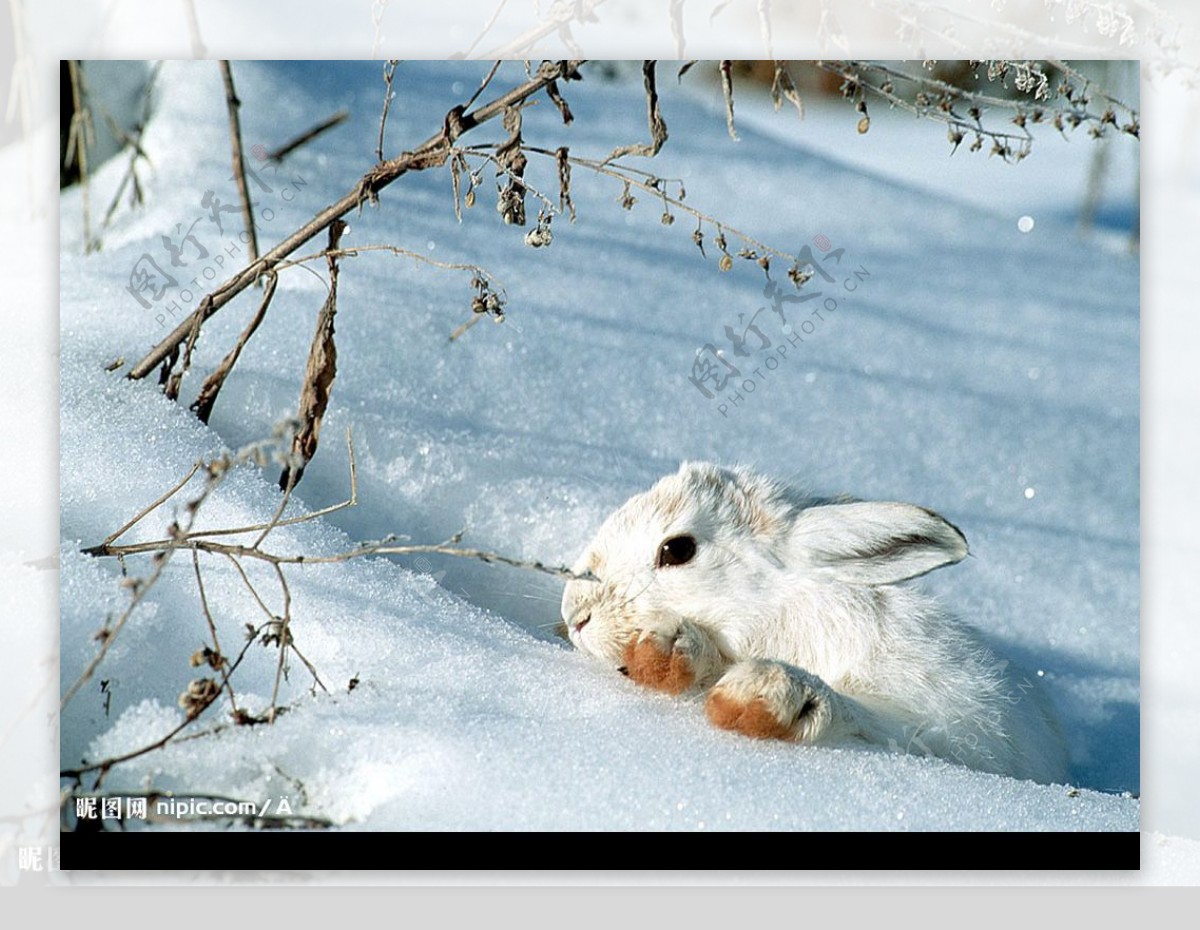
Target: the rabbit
(790, 614)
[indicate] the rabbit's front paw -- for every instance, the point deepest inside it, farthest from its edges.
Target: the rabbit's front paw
(771, 700)
(671, 660)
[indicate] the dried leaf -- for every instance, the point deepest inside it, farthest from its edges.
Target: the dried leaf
(783, 88)
(203, 404)
(318, 376)
(455, 171)
(511, 162)
(658, 127)
(564, 181)
(560, 102)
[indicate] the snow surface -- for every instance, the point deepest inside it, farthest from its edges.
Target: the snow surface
(984, 372)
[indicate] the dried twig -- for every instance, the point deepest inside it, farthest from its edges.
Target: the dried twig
(133, 141)
(215, 470)
(389, 73)
(433, 151)
(483, 32)
(279, 154)
(652, 184)
(284, 635)
(214, 657)
(192, 541)
(105, 764)
(140, 587)
(203, 404)
(158, 502)
(726, 68)
(79, 137)
(239, 161)
(485, 82)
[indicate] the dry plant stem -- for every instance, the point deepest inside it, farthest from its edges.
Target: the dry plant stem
(285, 641)
(561, 14)
(206, 545)
(78, 140)
(624, 174)
(20, 95)
(102, 548)
(389, 74)
(239, 160)
(105, 764)
(145, 511)
(1070, 72)
(484, 31)
(352, 252)
(174, 379)
(164, 553)
(130, 175)
(304, 138)
(212, 629)
(203, 404)
(726, 68)
(271, 618)
(134, 143)
(484, 83)
(462, 328)
(430, 153)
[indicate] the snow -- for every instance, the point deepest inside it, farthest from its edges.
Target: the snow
(973, 363)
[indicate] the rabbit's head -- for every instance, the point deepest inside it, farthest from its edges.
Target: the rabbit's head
(726, 548)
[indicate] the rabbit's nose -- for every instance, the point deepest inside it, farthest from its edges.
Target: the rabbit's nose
(580, 624)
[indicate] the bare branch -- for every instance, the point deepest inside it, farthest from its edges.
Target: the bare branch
(433, 151)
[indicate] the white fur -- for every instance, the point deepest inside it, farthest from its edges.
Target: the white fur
(797, 603)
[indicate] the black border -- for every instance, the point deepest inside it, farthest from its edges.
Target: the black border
(155, 850)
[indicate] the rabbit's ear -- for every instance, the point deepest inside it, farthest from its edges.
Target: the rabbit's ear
(875, 543)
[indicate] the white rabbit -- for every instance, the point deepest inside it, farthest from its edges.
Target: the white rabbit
(789, 612)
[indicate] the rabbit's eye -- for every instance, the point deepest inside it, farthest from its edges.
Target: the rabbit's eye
(677, 551)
